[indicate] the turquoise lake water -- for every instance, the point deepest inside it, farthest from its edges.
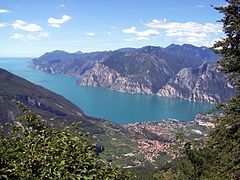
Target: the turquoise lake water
(121, 108)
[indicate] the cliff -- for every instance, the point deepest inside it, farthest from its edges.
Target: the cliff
(175, 71)
(204, 83)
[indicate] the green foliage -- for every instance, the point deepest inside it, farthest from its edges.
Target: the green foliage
(34, 151)
(219, 156)
(224, 141)
(229, 47)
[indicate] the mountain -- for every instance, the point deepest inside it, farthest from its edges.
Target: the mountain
(202, 53)
(203, 83)
(79, 52)
(146, 70)
(74, 64)
(126, 49)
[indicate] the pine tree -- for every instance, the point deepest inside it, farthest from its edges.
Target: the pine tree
(229, 47)
(225, 139)
(219, 158)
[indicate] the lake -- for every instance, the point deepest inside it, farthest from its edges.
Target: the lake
(121, 108)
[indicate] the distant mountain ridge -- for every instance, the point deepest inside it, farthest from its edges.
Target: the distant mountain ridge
(147, 70)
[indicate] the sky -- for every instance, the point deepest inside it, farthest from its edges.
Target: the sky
(29, 28)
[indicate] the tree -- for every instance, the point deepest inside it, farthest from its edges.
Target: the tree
(33, 150)
(219, 157)
(225, 139)
(229, 47)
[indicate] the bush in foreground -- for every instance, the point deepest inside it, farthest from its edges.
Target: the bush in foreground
(32, 150)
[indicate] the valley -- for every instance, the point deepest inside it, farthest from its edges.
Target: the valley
(135, 145)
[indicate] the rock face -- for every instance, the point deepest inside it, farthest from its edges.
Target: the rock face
(175, 71)
(204, 83)
(102, 76)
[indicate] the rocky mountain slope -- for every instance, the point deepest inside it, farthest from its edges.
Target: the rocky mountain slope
(74, 64)
(147, 70)
(203, 83)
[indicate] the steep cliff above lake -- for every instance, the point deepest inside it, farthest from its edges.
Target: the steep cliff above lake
(204, 83)
(147, 70)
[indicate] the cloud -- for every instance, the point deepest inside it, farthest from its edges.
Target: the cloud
(149, 32)
(187, 27)
(57, 22)
(109, 33)
(196, 41)
(187, 32)
(146, 33)
(36, 36)
(43, 35)
(19, 24)
(131, 30)
(4, 11)
(134, 39)
(17, 36)
(2, 25)
(90, 34)
(35, 31)
(172, 33)
(62, 5)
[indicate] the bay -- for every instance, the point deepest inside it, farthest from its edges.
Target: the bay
(121, 108)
